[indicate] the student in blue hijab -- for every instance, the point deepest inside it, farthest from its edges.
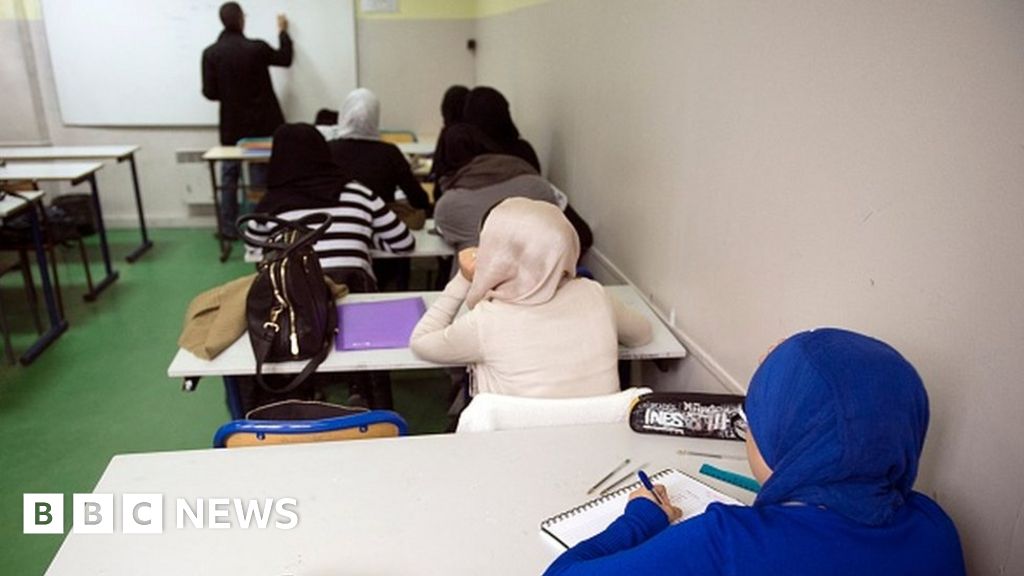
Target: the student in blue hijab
(837, 421)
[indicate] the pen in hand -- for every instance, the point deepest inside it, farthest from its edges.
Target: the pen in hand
(647, 484)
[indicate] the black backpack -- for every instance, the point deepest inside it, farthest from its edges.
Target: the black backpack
(289, 310)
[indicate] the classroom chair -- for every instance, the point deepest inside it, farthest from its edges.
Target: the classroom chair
(64, 224)
(492, 412)
(368, 424)
(10, 263)
(398, 136)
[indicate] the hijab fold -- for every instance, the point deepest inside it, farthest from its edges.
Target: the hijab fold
(358, 118)
(301, 172)
(487, 109)
(487, 170)
(527, 251)
(840, 418)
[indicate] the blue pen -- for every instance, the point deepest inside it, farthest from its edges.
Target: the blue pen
(647, 484)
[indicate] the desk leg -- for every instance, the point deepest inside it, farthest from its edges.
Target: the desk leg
(146, 243)
(233, 398)
(225, 244)
(57, 322)
(104, 246)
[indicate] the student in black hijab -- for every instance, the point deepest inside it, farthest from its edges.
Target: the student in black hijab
(302, 174)
(488, 110)
(452, 105)
(302, 177)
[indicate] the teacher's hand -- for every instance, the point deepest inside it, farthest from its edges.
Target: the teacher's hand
(282, 22)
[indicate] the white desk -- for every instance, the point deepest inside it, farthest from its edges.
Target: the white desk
(238, 359)
(119, 153)
(74, 172)
(237, 153)
(229, 154)
(11, 205)
(455, 504)
(428, 245)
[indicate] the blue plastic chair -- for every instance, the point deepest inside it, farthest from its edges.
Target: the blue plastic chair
(370, 424)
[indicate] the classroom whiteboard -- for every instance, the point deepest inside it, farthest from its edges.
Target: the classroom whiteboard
(137, 63)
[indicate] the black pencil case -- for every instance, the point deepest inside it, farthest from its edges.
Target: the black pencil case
(690, 414)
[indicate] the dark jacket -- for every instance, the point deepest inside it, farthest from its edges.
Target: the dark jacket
(235, 72)
(381, 167)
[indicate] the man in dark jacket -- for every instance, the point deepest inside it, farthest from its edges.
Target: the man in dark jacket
(235, 73)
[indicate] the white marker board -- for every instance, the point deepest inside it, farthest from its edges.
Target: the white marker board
(132, 63)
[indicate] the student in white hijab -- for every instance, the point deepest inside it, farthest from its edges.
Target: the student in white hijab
(356, 146)
(533, 328)
(381, 167)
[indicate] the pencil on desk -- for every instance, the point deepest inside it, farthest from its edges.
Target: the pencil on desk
(709, 455)
(609, 475)
(618, 482)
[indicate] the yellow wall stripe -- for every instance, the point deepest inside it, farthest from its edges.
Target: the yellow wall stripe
(424, 10)
(20, 10)
(447, 9)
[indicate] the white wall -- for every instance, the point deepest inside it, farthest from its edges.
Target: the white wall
(765, 167)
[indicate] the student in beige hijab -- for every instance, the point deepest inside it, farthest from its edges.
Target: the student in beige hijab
(533, 329)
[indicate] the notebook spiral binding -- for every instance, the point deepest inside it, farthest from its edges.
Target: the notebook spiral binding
(599, 500)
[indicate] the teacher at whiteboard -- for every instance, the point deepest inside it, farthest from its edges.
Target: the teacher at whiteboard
(235, 73)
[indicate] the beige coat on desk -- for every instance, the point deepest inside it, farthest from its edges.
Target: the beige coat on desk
(532, 329)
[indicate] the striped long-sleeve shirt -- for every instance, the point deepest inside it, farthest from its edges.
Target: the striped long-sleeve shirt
(359, 222)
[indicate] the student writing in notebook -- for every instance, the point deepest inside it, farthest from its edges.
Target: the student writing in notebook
(837, 421)
(533, 328)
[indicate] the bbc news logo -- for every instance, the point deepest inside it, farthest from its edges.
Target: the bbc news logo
(144, 513)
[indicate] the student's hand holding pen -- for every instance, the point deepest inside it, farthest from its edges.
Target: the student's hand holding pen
(673, 512)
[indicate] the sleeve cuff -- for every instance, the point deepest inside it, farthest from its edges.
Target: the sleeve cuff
(458, 286)
(651, 517)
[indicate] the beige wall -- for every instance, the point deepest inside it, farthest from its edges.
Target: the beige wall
(765, 167)
(410, 64)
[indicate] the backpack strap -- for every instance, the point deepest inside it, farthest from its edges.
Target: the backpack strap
(309, 226)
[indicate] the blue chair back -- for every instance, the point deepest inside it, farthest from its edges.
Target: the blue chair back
(371, 424)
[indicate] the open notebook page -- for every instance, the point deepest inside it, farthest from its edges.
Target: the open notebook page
(587, 520)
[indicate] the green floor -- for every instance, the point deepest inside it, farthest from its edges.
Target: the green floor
(102, 388)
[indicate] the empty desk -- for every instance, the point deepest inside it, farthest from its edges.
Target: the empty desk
(121, 153)
(74, 172)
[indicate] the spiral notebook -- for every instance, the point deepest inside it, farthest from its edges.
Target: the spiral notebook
(591, 518)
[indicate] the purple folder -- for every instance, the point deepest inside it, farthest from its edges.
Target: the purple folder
(373, 325)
